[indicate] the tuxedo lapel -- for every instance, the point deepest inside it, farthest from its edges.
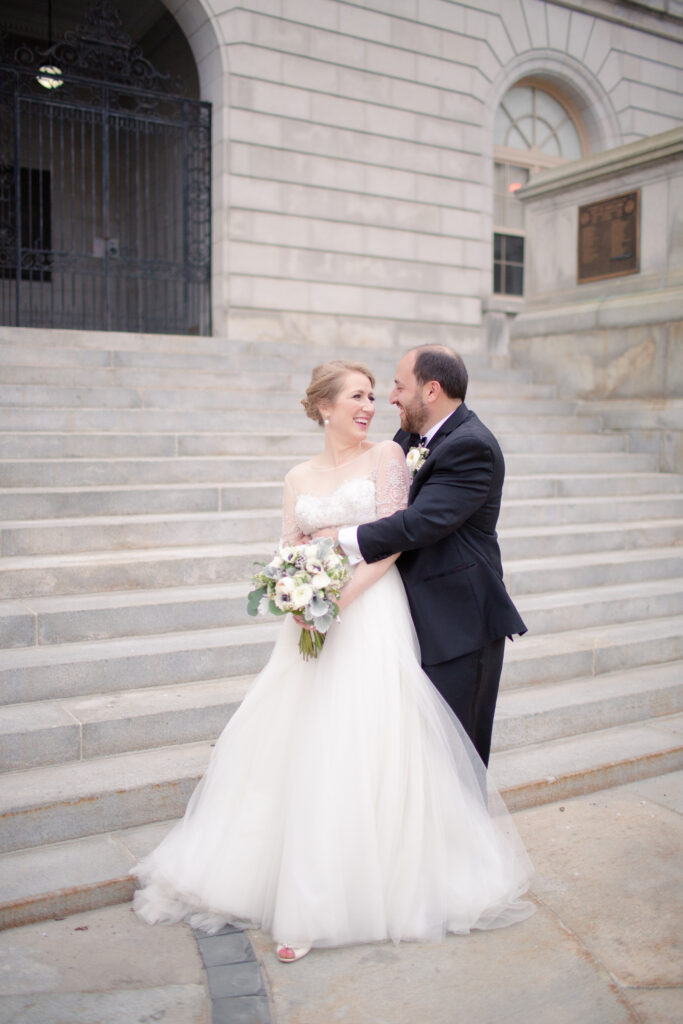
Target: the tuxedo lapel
(451, 424)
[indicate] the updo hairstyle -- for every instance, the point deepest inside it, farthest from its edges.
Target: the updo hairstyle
(326, 383)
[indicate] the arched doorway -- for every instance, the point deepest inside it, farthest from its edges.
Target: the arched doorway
(105, 205)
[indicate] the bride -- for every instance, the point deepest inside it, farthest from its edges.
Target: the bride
(343, 802)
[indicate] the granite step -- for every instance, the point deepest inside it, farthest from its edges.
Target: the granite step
(74, 619)
(231, 382)
(152, 394)
(279, 358)
(66, 801)
(562, 768)
(572, 510)
(578, 538)
(594, 569)
(114, 533)
(80, 728)
(581, 705)
(36, 445)
(209, 377)
(582, 484)
(102, 724)
(571, 497)
(128, 663)
(565, 610)
(591, 651)
(293, 350)
(231, 401)
(240, 468)
(32, 576)
(15, 419)
(79, 618)
(58, 803)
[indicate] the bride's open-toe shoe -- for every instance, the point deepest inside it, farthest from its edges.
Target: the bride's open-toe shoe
(289, 954)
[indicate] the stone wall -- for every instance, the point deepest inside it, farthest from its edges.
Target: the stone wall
(617, 341)
(353, 147)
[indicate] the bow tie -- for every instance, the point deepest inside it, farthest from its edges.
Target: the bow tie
(423, 441)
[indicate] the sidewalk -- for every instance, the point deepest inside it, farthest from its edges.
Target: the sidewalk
(604, 946)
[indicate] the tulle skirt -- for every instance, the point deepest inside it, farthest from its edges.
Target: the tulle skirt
(343, 802)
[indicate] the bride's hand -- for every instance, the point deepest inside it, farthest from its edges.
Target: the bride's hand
(329, 531)
(304, 625)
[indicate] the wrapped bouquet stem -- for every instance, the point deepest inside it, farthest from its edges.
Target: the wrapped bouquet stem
(305, 580)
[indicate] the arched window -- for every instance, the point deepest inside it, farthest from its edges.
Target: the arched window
(535, 128)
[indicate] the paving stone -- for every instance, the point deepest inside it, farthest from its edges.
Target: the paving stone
(236, 979)
(241, 1010)
(174, 1004)
(231, 948)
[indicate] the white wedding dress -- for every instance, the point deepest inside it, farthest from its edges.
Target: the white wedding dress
(343, 802)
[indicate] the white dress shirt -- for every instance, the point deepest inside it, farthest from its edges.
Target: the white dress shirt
(348, 535)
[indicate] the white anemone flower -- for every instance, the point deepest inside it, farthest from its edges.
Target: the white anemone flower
(301, 595)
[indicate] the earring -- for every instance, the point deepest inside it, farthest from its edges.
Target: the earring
(326, 421)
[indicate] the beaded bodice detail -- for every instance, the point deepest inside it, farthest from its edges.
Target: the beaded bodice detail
(352, 503)
(371, 486)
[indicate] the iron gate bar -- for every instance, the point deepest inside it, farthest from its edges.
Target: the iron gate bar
(125, 240)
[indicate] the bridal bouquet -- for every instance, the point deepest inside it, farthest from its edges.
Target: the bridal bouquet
(306, 580)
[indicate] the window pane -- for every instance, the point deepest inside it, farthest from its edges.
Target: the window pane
(518, 101)
(548, 143)
(570, 144)
(514, 280)
(521, 137)
(548, 108)
(514, 249)
(531, 117)
(498, 247)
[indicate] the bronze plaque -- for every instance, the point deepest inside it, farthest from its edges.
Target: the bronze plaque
(609, 238)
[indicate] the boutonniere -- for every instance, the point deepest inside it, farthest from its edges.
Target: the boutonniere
(416, 458)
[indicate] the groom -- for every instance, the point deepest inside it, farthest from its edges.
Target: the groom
(450, 562)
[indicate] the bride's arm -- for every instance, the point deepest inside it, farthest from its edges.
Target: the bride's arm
(363, 577)
(392, 483)
(291, 534)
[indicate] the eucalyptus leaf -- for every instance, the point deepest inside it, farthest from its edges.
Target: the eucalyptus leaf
(254, 599)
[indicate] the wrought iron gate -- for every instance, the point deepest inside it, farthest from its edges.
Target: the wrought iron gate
(104, 188)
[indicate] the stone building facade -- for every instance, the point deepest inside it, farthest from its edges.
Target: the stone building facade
(355, 143)
(366, 155)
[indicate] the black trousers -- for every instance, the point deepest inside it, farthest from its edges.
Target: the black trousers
(469, 684)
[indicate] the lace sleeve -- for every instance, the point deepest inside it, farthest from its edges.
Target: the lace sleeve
(392, 481)
(291, 534)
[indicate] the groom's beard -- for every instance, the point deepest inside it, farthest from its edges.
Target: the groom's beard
(414, 415)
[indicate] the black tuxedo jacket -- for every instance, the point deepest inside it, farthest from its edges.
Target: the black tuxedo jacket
(451, 565)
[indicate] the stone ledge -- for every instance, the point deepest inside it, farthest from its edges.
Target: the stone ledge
(640, 310)
(653, 149)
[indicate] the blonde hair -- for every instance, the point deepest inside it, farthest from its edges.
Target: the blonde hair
(326, 383)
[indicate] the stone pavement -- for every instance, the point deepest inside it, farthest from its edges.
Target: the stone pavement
(604, 947)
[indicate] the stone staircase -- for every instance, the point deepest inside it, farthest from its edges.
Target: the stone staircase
(140, 480)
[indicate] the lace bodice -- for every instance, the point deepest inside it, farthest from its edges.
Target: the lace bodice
(351, 504)
(375, 484)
